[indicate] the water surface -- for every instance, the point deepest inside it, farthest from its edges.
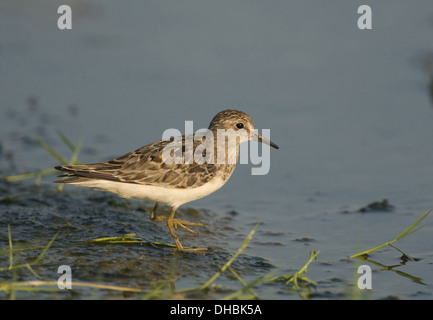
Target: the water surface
(350, 110)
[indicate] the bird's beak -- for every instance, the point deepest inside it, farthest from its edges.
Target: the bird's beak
(258, 137)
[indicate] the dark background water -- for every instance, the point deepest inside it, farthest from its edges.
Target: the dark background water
(350, 109)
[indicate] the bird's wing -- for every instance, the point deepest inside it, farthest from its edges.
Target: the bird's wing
(145, 166)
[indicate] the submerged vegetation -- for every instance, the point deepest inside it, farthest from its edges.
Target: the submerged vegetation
(383, 205)
(75, 148)
(298, 279)
(411, 229)
(295, 282)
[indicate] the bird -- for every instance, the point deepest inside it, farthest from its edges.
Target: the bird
(153, 173)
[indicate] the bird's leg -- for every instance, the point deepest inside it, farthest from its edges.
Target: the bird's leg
(176, 222)
(153, 216)
(172, 223)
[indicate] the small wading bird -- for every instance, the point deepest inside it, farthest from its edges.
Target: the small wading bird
(143, 173)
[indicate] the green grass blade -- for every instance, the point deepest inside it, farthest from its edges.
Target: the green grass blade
(408, 231)
(30, 175)
(248, 287)
(38, 285)
(126, 237)
(33, 271)
(77, 149)
(313, 255)
(38, 259)
(156, 291)
(11, 257)
(300, 274)
(20, 177)
(404, 254)
(411, 229)
(370, 250)
(65, 140)
(51, 151)
(223, 268)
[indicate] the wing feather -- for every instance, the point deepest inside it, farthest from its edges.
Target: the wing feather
(144, 166)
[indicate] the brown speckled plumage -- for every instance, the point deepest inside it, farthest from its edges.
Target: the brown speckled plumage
(144, 174)
(146, 166)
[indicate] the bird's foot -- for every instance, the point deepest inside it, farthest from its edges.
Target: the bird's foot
(173, 224)
(182, 223)
(179, 223)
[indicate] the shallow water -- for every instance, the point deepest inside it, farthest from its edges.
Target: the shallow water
(349, 109)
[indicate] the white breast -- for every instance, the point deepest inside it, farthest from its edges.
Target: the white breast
(174, 197)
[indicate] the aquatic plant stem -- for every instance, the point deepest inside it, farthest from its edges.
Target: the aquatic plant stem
(11, 257)
(224, 267)
(405, 233)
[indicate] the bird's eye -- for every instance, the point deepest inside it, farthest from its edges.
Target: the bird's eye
(240, 125)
